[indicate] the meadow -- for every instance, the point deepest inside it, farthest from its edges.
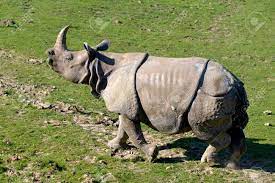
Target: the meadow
(52, 130)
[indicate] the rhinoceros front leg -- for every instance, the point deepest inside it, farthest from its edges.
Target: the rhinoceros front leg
(120, 140)
(133, 130)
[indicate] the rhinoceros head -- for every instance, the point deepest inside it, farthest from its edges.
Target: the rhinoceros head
(72, 65)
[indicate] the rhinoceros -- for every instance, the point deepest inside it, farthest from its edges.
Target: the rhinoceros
(170, 95)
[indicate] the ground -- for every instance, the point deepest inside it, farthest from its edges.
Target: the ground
(53, 131)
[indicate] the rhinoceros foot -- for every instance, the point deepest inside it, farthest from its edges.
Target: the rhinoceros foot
(210, 157)
(115, 144)
(237, 147)
(222, 141)
(233, 165)
(119, 141)
(151, 152)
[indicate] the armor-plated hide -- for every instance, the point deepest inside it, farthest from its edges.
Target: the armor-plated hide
(120, 94)
(167, 87)
(171, 95)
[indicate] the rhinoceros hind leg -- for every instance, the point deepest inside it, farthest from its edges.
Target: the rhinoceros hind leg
(133, 130)
(119, 141)
(237, 147)
(220, 142)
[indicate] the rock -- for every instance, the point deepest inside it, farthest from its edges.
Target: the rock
(35, 61)
(267, 112)
(36, 177)
(268, 124)
(7, 141)
(11, 173)
(14, 158)
(90, 160)
(106, 121)
(20, 112)
(87, 178)
(74, 171)
(108, 178)
(1, 92)
(53, 122)
(7, 23)
(41, 105)
(118, 22)
(81, 119)
(64, 108)
(102, 162)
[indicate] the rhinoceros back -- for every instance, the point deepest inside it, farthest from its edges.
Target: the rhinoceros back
(166, 87)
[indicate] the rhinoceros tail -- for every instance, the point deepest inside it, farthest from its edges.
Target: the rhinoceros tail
(240, 118)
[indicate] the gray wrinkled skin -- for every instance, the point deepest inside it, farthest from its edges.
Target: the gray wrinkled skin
(171, 95)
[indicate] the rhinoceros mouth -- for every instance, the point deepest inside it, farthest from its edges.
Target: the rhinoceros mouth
(52, 65)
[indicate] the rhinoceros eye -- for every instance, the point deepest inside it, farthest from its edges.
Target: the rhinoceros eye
(69, 57)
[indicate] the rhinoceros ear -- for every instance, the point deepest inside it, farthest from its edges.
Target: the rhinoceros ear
(104, 45)
(90, 50)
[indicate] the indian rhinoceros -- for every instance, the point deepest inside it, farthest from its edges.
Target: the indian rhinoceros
(170, 95)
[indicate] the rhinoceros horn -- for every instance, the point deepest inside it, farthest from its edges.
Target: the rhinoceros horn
(61, 39)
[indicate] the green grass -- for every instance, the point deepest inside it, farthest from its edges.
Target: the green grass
(238, 34)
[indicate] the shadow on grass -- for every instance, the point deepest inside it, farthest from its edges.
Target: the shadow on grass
(258, 156)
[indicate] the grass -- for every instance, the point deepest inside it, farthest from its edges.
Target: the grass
(238, 34)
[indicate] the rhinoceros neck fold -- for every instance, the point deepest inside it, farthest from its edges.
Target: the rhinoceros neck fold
(120, 93)
(100, 68)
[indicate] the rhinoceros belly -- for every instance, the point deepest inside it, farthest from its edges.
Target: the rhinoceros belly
(165, 87)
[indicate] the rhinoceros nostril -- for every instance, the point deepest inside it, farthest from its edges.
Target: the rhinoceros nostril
(50, 61)
(51, 52)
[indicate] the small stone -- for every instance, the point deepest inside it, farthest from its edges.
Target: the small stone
(267, 112)
(30, 21)
(35, 61)
(7, 141)
(20, 112)
(45, 105)
(36, 176)
(118, 22)
(14, 158)
(87, 178)
(90, 160)
(81, 119)
(102, 162)
(1, 92)
(74, 171)
(7, 23)
(53, 122)
(108, 178)
(268, 124)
